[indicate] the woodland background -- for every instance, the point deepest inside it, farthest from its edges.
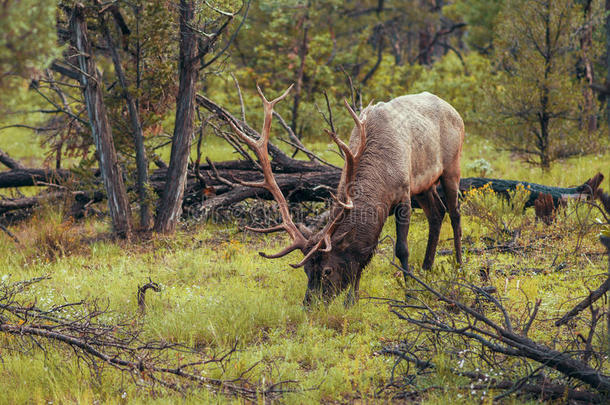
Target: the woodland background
(219, 323)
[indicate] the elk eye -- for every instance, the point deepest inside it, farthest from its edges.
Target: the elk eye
(326, 272)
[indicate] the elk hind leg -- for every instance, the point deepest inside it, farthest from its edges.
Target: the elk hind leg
(451, 187)
(435, 212)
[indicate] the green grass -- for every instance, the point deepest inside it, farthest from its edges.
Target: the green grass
(217, 290)
(23, 146)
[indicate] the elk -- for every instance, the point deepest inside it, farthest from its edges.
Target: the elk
(398, 150)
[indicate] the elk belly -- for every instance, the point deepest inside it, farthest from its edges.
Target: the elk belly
(425, 179)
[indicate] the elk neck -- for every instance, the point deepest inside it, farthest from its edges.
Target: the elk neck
(362, 225)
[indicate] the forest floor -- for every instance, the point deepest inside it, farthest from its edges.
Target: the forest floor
(217, 291)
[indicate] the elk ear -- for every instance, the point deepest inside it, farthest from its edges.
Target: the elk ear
(342, 241)
(305, 230)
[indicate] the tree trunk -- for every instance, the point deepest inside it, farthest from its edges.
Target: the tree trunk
(301, 72)
(606, 242)
(586, 42)
(170, 206)
(91, 81)
(608, 63)
(134, 116)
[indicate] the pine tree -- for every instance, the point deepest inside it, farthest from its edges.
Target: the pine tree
(539, 96)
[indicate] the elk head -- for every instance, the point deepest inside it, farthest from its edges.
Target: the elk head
(329, 269)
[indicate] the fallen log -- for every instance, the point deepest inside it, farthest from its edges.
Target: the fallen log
(25, 177)
(312, 186)
(9, 161)
(315, 186)
(81, 199)
(216, 186)
(558, 194)
(7, 205)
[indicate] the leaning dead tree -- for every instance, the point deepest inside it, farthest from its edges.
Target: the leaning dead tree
(92, 87)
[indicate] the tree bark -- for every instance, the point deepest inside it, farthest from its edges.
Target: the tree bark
(586, 42)
(9, 162)
(170, 206)
(304, 48)
(134, 116)
(608, 62)
(91, 81)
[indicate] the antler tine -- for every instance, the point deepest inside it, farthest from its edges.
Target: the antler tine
(276, 100)
(351, 159)
(268, 111)
(360, 123)
(326, 232)
(259, 147)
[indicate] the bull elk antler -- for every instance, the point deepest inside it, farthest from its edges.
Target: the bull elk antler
(259, 147)
(351, 160)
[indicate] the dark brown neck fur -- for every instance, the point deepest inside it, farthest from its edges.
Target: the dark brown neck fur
(360, 228)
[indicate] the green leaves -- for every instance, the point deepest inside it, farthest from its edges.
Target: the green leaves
(28, 42)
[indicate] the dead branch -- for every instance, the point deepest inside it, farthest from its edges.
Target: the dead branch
(142, 293)
(9, 233)
(76, 325)
(241, 99)
(584, 304)
(280, 159)
(495, 336)
(545, 390)
(9, 161)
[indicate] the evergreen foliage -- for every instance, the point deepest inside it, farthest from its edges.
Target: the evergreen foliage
(539, 99)
(481, 56)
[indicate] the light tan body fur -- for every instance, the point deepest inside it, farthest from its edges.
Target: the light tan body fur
(411, 141)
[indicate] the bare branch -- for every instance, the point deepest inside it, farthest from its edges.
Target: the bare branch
(10, 162)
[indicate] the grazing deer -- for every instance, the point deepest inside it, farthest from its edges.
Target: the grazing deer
(398, 150)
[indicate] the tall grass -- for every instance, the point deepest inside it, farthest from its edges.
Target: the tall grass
(216, 290)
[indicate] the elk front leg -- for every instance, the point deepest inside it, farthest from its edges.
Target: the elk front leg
(402, 216)
(435, 212)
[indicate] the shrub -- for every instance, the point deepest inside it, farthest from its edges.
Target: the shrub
(504, 216)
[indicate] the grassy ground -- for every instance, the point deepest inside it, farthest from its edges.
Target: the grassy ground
(216, 290)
